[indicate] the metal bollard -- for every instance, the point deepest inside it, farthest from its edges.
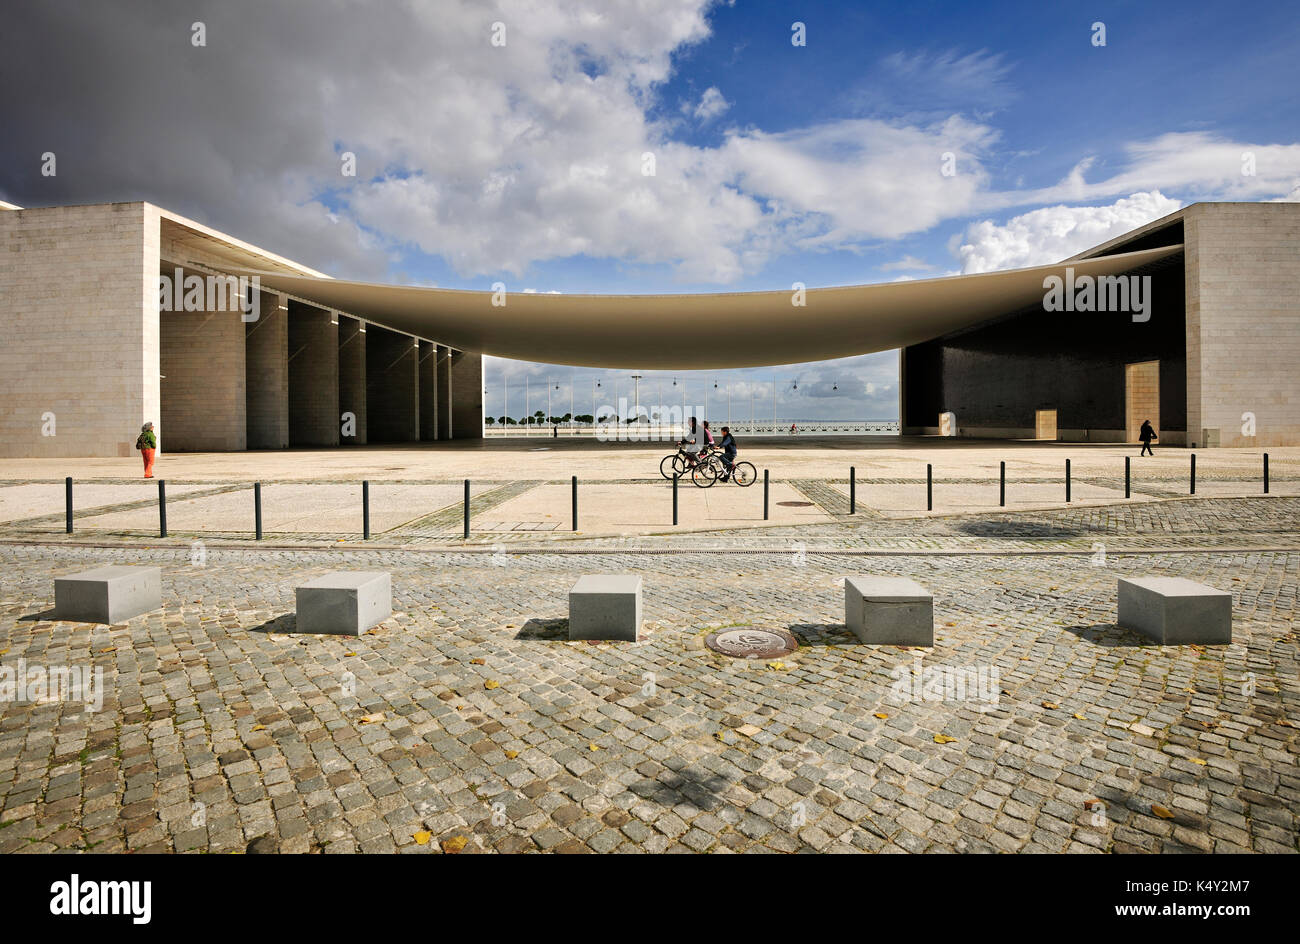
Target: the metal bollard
(1002, 484)
(765, 494)
(467, 509)
(162, 508)
(1127, 476)
(365, 511)
(70, 490)
(1193, 483)
(67, 494)
(853, 490)
(1067, 481)
(675, 477)
(257, 510)
(575, 503)
(929, 487)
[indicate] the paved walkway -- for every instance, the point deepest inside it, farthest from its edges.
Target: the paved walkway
(468, 721)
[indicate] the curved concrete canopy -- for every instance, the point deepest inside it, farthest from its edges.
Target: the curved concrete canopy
(685, 332)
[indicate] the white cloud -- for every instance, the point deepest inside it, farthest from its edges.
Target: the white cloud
(1051, 234)
(711, 104)
(907, 264)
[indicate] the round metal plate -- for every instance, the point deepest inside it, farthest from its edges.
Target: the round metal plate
(751, 643)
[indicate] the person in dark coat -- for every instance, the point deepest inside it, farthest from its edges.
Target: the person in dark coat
(1147, 434)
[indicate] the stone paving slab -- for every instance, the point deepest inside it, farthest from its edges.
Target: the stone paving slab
(467, 716)
(43, 499)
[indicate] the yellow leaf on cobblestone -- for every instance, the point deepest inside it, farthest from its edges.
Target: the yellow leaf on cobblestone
(1161, 811)
(512, 754)
(491, 684)
(1198, 760)
(1080, 717)
(943, 739)
(258, 727)
(881, 715)
(454, 844)
(109, 649)
(1050, 705)
(477, 661)
(422, 837)
(374, 718)
(720, 737)
(592, 747)
(777, 666)
(346, 654)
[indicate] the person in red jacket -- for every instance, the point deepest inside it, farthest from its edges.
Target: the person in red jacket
(147, 443)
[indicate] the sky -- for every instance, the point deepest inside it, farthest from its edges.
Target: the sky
(821, 143)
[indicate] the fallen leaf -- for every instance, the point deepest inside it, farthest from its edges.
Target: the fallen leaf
(258, 727)
(512, 754)
(374, 718)
(109, 649)
(778, 666)
(720, 737)
(1050, 705)
(1198, 760)
(477, 661)
(881, 715)
(943, 739)
(422, 837)
(454, 844)
(346, 654)
(592, 747)
(491, 684)
(1080, 717)
(1161, 811)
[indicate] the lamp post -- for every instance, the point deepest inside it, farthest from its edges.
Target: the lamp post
(636, 398)
(528, 403)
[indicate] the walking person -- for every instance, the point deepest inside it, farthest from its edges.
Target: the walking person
(147, 443)
(1147, 434)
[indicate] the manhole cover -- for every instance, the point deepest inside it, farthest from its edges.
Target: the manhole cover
(752, 643)
(794, 504)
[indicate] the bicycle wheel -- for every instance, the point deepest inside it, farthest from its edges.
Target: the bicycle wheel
(704, 475)
(744, 474)
(667, 465)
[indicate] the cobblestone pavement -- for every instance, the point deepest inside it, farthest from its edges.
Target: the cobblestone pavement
(468, 721)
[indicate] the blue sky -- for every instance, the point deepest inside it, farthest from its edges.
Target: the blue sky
(774, 163)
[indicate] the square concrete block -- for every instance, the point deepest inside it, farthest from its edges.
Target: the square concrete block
(110, 594)
(1176, 612)
(345, 602)
(889, 611)
(605, 607)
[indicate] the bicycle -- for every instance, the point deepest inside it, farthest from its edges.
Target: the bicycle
(715, 467)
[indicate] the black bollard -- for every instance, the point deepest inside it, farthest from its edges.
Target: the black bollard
(929, 487)
(67, 494)
(257, 510)
(765, 494)
(1002, 484)
(675, 477)
(70, 490)
(575, 503)
(365, 511)
(1067, 481)
(162, 508)
(1193, 491)
(853, 490)
(467, 509)
(1127, 477)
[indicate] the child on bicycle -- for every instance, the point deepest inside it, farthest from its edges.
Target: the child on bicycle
(728, 445)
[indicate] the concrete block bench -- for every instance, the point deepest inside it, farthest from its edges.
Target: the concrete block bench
(111, 594)
(1176, 612)
(889, 611)
(605, 607)
(345, 602)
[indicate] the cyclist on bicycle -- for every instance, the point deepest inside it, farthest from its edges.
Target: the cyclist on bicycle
(692, 443)
(728, 445)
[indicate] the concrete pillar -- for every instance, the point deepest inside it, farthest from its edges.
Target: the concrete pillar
(352, 382)
(266, 373)
(392, 390)
(467, 405)
(428, 382)
(201, 360)
(313, 376)
(444, 392)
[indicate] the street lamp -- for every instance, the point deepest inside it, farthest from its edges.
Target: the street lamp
(636, 402)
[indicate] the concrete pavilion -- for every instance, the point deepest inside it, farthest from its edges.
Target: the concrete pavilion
(92, 352)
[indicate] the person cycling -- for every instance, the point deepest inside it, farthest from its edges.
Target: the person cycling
(728, 445)
(692, 442)
(708, 435)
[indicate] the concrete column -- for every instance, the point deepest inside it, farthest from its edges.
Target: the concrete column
(352, 381)
(428, 382)
(392, 390)
(444, 392)
(467, 405)
(201, 360)
(313, 376)
(266, 373)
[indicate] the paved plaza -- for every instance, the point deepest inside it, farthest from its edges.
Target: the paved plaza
(467, 722)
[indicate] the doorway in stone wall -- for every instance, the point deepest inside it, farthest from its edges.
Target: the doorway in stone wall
(1044, 424)
(1141, 397)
